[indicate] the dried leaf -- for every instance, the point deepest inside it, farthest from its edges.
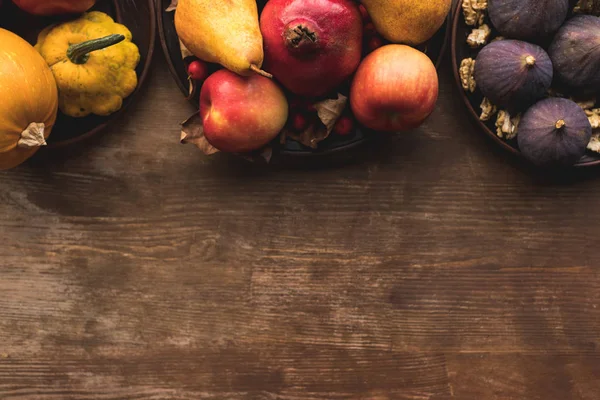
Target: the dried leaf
(328, 111)
(259, 156)
(193, 89)
(33, 136)
(311, 137)
(192, 132)
(267, 154)
(172, 6)
(185, 53)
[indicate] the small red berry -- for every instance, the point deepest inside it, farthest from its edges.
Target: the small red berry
(374, 43)
(364, 13)
(344, 126)
(198, 71)
(299, 122)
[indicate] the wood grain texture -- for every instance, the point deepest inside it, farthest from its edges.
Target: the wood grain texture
(433, 268)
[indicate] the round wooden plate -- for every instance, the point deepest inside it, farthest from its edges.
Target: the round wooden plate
(461, 50)
(334, 146)
(138, 15)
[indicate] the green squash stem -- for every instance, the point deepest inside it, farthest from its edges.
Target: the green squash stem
(80, 53)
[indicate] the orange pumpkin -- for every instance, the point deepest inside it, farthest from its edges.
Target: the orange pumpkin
(28, 100)
(54, 7)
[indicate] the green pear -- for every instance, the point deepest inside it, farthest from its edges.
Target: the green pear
(408, 21)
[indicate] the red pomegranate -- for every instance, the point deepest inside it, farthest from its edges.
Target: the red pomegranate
(311, 46)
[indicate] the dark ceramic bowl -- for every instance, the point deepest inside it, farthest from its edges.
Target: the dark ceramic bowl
(334, 147)
(461, 50)
(138, 15)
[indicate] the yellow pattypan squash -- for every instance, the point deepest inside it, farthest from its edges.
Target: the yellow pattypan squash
(93, 61)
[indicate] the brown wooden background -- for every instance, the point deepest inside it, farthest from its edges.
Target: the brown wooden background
(434, 268)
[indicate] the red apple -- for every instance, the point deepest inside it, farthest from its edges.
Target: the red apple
(241, 114)
(395, 89)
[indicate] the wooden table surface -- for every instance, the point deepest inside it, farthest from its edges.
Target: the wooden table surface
(435, 267)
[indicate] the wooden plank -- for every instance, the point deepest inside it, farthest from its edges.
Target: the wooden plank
(525, 376)
(134, 268)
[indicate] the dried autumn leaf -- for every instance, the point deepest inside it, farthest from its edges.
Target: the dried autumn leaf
(328, 111)
(185, 53)
(267, 154)
(192, 132)
(311, 137)
(193, 89)
(259, 156)
(172, 6)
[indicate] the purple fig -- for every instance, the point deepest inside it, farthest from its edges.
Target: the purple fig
(513, 74)
(575, 53)
(554, 132)
(529, 20)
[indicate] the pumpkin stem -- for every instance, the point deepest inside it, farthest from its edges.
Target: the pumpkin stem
(80, 53)
(33, 136)
(560, 124)
(530, 61)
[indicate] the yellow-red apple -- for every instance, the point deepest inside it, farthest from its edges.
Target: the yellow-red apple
(395, 89)
(241, 114)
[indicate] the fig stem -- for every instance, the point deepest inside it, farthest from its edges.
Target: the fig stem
(530, 61)
(260, 71)
(560, 124)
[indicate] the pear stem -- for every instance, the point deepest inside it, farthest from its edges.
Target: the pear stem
(260, 71)
(560, 124)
